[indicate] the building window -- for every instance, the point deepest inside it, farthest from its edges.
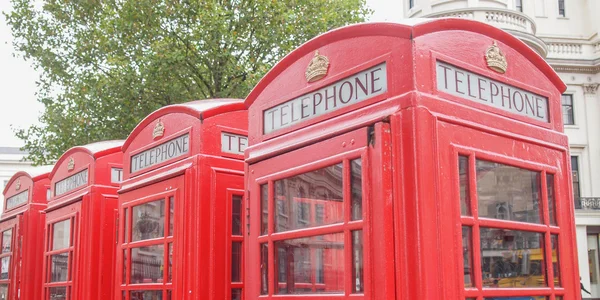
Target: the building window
(519, 5)
(575, 176)
(561, 8)
(411, 4)
(567, 109)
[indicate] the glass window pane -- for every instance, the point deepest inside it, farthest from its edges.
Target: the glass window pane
(148, 220)
(467, 242)
(517, 298)
(116, 175)
(124, 266)
(463, 174)
(358, 283)
(123, 295)
(555, 259)
(4, 267)
(550, 192)
(7, 241)
(126, 225)
(236, 261)
(236, 294)
(296, 259)
(59, 266)
(147, 264)
(58, 293)
(356, 187)
(170, 279)
(264, 207)
(512, 258)
(169, 293)
(3, 291)
(146, 295)
(61, 235)
(508, 193)
(171, 215)
(296, 197)
(264, 269)
(236, 215)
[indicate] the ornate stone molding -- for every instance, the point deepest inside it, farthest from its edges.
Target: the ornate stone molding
(590, 89)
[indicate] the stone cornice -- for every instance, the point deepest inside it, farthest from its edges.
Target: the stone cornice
(575, 66)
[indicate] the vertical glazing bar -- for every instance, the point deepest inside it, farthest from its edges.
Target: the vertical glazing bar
(477, 274)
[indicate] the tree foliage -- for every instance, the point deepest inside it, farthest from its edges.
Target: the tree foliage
(106, 64)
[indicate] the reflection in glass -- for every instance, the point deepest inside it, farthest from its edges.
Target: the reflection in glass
(517, 298)
(126, 226)
(508, 193)
(146, 295)
(3, 291)
(61, 236)
(295, 258)
(6, 241)
(358, 284)
(356, 187)
(171, 215)
(463, 174)
(296, 197)
(236, 261)
(170, 276)
(467, 249)
(125, 266)
(236, 294)
(551, 205)
(236, 215)
(58, 293)
(555, 259)
(59, 267)
(148, 220)
(264, 269)
(264, 207)
(512, 258)
(4, 267)
(147, 264)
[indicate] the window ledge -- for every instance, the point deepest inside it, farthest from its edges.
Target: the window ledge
(574, 126)
(563, 18)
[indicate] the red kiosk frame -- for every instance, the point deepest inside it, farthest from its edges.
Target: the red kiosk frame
(440, 143)
(181, 203)
(21, 234)
(80, 233)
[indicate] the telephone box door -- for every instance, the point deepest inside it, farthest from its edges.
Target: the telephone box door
(150, 222)
(8, 235)
(61, 252)
(508, 194)
(313, 214)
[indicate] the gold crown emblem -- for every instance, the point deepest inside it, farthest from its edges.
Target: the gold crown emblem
(495, 59)
(18, 184)
(317, 68)
(159, 129)
(71, 164)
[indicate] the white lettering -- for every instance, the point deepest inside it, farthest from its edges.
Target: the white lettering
(348, 91)
(480, 89)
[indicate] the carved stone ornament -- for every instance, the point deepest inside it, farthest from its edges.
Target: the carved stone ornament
(317, 68)
(590, 89)
(18, 184)
(71, 164)
(159, 129)
(496, 59)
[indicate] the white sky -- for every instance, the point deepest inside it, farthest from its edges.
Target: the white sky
(18, 105)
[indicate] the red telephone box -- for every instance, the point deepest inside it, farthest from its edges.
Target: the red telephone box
(21, 231)
(80, 237)
(180, 231)
(421, 161)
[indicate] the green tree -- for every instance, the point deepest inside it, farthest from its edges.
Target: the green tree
(106, 64)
